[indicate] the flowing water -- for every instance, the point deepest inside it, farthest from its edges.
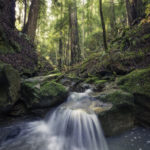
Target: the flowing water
(71, 126)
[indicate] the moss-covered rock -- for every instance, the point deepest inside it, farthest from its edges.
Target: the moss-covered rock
(43, 93)
(120, 116)
(9, 86)
(117, 97)
(137, 81)
(51, 89)
(100, 84)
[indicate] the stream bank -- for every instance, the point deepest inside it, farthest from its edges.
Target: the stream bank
(123, 103)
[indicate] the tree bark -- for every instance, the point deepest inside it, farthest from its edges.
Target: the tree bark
(60, 60)
(7, 12)
(134, 11)
(30, 27)
(103, 25)
(83, 32)
(25, 12)
(73, 24)
(60, 52)
(112, 18)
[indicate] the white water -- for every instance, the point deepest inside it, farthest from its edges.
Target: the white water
(72, 126)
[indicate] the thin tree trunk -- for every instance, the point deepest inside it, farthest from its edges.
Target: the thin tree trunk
(60, 52)
(83, 31)
(103, 25)
(73, 24)
(68, 48)
(30, 27)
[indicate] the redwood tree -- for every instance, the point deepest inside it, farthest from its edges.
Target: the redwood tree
(134, 11)
(73, 25)
(30, 27)
(7, 12)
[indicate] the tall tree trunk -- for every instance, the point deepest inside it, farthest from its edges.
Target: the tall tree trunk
(83, 31)
(25, 13)
(7, 12)
(103, 25)
(134, 11)
(30, 27)
(112, 18)
(73, 24)
(60, 60)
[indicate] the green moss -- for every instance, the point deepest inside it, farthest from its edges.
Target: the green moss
(13, 79)
(146, 36)
(98, 82)
(119, 97)
(137, 81)
(147, 11)
(9, 85)
(43, 94)
(91, 79)
(52, 89)
(30, 84)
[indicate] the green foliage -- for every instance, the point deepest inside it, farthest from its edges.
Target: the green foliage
(147, 11)
(54, 19)
(53, 26)
(91, 79)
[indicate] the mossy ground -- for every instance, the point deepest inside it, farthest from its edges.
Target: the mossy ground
(128, 51)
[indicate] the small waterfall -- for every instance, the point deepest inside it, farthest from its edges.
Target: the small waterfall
(71, 126)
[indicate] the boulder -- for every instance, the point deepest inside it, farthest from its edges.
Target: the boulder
(9, 87)
(120, 116)
(42, 93)
(138, 83)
